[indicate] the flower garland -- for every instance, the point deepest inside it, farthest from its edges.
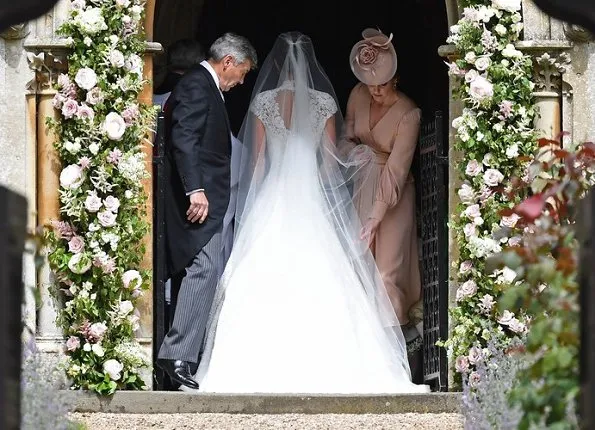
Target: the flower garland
(97, 246)
(494, 133)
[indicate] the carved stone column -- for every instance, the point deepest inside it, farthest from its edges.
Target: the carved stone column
(550, 62)
(47, 67)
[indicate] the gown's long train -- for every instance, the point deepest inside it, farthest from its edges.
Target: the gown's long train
(291, 314)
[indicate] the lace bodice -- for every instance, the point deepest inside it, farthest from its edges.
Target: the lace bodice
(266, 108)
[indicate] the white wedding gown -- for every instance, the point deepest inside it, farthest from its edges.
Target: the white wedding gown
(291, 315)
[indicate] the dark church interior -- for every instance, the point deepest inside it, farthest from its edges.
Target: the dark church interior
(419, 27)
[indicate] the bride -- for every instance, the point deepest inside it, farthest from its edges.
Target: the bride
(300, 307)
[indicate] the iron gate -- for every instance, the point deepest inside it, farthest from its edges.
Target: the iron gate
(433, 204)
(160, 316)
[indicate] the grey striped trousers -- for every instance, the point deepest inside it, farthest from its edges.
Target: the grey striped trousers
(192, 301)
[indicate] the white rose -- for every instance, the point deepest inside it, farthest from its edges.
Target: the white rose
(470, 57)
(482, 63)
(134, 64)
(131, 279)
(71, 177)
(488, 159)
(98, 350)
(512, 151)
(517, 326)
(469, 230)
(94, 148)
(134, 322)
(87, 347)
(506, 318)
(78, 4)
(90, 21)
(507, 5)
(79, 263)
(472, 211)
(107, 218)
(478, 220)
(471, 75)
(457, 122)
(510, 221)
(467, 289)
(480, 88)
(500, 29)
(492, 177)
(508, 274)
(486, 303)
(125, 307)
(475, 354)
(86, 78)
(473, 168)
(466, 193)
(113, 368)
(122, 3)
(114, 126)
(511, 52)
(116, 58)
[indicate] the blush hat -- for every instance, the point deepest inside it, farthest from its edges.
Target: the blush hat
(373, 59)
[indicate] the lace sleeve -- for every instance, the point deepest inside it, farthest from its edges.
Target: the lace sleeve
(326, 106)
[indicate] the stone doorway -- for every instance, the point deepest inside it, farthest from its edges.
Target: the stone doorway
(333, 30)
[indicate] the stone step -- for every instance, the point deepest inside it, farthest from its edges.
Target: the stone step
(168, 402)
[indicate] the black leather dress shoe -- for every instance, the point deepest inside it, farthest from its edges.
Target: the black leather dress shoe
(178, 371)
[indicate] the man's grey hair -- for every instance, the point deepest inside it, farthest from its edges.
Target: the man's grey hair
(236, 46)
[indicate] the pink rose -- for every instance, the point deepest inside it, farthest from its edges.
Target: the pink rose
(475, 355)
(474, 379)
(96, 331)
(95, 96)
(63, 229)
(85, 112)
(465, 267)
(462, 364)
(70, 108)
(473, 168)
(93, 202)
(480, 88)
(76, 244)
(367, 55)
(73, 343)
(111, 203)
(107, 218)
(130, 114)
(58, 101)
(467, 289)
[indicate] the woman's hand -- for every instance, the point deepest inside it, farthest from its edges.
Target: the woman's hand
(369, 230)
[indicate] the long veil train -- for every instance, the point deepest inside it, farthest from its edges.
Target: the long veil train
(301, 307)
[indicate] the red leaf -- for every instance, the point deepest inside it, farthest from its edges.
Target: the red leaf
(531, 208)
(546, 142)
(561, 153)
(505, 212)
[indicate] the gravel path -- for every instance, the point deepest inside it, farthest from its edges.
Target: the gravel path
(103, 421)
